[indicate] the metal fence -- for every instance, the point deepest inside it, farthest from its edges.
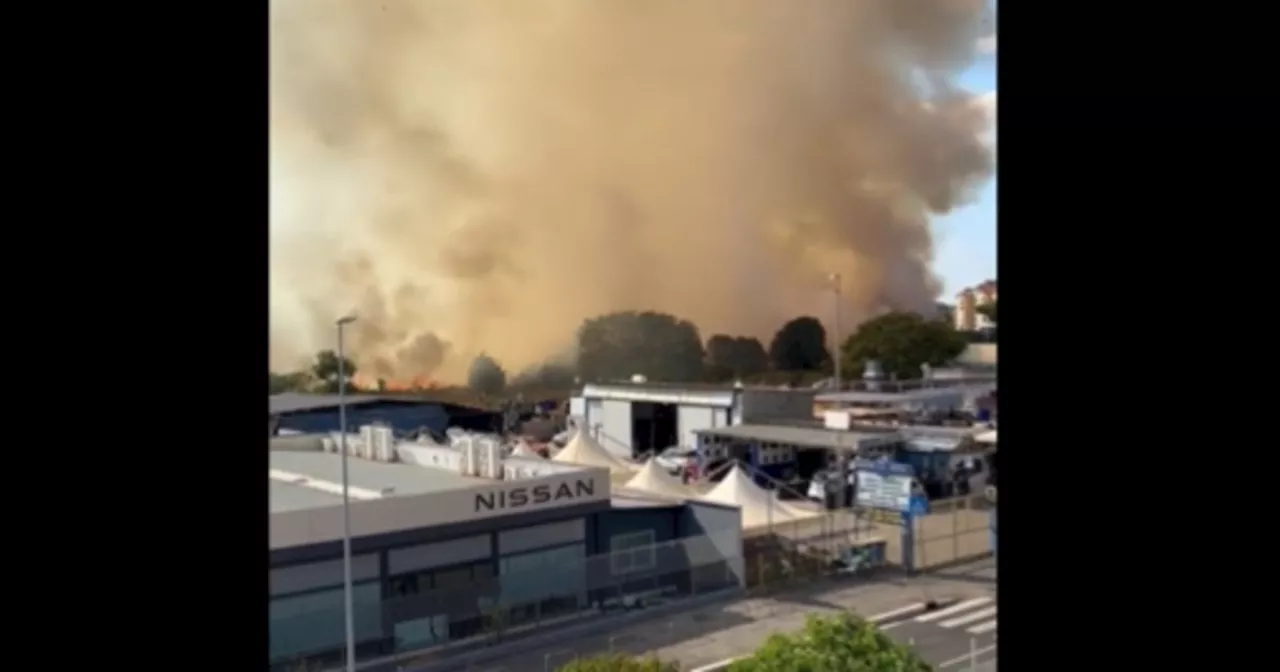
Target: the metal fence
(954, 530)
(432, 623)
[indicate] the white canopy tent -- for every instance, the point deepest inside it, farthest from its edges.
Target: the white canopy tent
(655, 480)
(522, 449)
(582, 449)
(760, 507)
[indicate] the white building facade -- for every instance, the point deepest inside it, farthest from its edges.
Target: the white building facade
(611, 412)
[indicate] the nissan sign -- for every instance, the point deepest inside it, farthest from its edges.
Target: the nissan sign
(533, 496)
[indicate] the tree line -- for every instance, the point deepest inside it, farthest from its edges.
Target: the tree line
(665, 348)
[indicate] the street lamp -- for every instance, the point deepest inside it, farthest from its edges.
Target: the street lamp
(835, 329)
(842, 461)
(348, 610)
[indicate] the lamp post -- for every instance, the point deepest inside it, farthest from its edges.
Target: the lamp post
(348, 610)
(835, 330)
(842, 461)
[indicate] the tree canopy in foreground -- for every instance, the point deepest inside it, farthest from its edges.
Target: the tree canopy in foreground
(842, 643)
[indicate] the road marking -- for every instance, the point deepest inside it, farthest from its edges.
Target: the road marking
(719, 665)
(953, 609)
(901, 611)
(969, 617)
(982, 627)
(908, 610)
(967, 657)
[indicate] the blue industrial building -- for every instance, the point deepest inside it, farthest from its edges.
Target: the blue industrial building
(439, 557)
(309, 413)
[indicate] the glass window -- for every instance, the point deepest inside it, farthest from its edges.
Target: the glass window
(313, 622)
(556, 572)
(407, 585)
(632, 552)
(421, 632)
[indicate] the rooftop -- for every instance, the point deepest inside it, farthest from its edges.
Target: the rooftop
(388, 478)
(901, 396)
(295, 402)
(424, 489)
(809, 437)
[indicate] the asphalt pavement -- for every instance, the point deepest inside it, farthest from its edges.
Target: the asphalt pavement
(954, 636)
(715, 633)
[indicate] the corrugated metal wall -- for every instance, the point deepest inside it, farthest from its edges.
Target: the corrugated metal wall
(760, 406)
(615, 427)
(693, 418)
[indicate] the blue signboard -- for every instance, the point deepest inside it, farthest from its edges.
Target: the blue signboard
(884, 484)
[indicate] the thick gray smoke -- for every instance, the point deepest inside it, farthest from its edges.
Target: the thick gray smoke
(482, 175)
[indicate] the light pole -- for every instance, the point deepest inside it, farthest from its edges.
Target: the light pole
(348, 610)
(835, 330)
(842, 462)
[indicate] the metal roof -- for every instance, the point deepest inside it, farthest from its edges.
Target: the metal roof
(809, 437)
(906, 396)
(289, 497)
(294, 402)
(406, 479)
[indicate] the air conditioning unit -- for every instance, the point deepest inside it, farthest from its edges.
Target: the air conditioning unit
(493, 460)
(470, 457)
(383, 444)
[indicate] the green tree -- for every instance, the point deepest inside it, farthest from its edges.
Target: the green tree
(832, 644)
(325, 370)
(278, 383)
(614, 662)
(486, 375)
(988, 310)
(800, 345)
(901, 342)
(661, 347)
(549, 375)
(735, 357)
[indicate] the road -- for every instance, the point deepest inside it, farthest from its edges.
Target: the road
(954, 637)
(715, 633)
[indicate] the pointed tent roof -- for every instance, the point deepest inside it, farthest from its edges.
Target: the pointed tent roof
(759, 506)
(522, 449)
(582, 449)
(653, 479)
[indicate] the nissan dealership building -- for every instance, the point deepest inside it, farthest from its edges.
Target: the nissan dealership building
(445, 542)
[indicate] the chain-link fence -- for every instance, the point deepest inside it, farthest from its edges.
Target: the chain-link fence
(954, 530)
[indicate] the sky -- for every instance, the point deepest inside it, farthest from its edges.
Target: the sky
(966, 238)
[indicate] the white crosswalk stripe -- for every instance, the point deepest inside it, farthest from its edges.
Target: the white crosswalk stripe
(982, 627)
(953, 609)
(977, 616)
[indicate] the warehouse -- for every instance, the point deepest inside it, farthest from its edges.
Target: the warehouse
(782, 452)
(319, 413)
(445, 541)
(632, 420)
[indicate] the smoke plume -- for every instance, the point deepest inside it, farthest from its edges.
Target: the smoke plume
(482, 175)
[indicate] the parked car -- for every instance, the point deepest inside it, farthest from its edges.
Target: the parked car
(677, 459)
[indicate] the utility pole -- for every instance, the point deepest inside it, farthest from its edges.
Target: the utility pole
(842, 457)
